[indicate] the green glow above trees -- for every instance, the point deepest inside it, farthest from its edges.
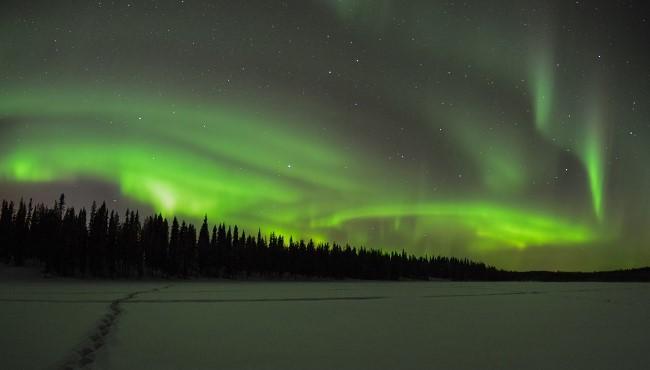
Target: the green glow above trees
(490, 224)
(184, 161)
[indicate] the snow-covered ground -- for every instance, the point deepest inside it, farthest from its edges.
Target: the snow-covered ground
(62, 323)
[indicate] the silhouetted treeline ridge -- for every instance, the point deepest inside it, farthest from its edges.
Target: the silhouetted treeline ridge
(100, 243)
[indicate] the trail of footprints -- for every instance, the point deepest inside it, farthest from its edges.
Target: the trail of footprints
(85, 356)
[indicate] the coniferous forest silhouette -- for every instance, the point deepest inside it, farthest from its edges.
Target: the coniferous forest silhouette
(101, 244)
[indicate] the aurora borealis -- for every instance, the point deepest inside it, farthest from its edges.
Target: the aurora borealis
(512, 132)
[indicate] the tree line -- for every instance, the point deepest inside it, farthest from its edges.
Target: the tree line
(101, 243)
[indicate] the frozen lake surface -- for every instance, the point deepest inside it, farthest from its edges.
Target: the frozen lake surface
(322, 325)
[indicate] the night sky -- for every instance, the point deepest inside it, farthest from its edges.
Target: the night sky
(512, 132)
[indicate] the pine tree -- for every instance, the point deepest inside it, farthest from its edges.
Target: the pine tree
(174, 249)
(112, 243)
(20, 234)
(6, 232)
(204, 247)
(213, 263)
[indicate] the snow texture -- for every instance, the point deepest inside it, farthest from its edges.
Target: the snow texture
(77, 324)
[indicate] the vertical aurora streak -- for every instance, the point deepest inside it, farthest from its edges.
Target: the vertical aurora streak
(589, 144)
(593, 154)
(542, 77)
(594, 163)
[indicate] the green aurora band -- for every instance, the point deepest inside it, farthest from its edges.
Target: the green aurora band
(227, 173)
(492, 223)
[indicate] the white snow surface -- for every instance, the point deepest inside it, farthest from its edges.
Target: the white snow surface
(59, 323)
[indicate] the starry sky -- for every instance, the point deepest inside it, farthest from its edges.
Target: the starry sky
(512, 132)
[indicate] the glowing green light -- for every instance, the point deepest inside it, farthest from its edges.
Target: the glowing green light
(196, 160)
(508, 226)
(589, 142)
(595, 173)
(500, 158)
(592, 154)
(184, 160)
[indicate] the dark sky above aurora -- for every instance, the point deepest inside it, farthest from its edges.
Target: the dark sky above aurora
(513, 132)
